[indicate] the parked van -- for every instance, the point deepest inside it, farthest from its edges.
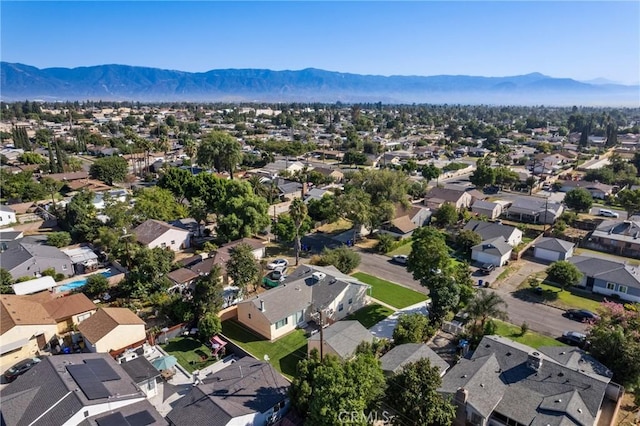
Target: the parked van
(608, 213)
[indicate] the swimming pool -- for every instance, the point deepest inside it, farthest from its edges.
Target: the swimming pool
(81, 282)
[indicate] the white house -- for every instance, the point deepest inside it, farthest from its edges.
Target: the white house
(112, 329)
(491, 230)
(553, 249)
(154, 233)
(496, 251)
(7, 215)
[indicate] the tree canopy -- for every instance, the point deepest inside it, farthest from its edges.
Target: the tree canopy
(413, 328)
(579, 199)
(221, 151)
(109, 169)
(564, 273)
(242, 266)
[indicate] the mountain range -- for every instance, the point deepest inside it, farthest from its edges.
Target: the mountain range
(132, 83)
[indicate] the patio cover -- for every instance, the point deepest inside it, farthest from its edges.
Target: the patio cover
(217, 344)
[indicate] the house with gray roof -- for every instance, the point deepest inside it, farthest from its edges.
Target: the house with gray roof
(340, 339)
(534, 210)
(487, 208)
(401, 355)
(609, 277)
(246, 392)
(307, 294)
(27, 259)
(617, 236)
(596, 189)
(68, 389)
(491, 230)
(495, 251)
(436, 197)
(553, 249)
(506, 383)
(154, 233)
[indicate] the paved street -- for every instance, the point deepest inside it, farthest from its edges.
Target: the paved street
(541, 318)
(622, 215)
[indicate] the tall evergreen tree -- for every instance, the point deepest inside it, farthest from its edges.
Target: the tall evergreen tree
(59, 158)
(52, 164)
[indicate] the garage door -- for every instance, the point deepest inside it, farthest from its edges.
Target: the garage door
(546, 254)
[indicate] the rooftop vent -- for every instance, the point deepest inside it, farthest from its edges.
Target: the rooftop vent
(318, 276)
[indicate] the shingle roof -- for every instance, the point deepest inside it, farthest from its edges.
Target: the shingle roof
(21, 310)
(486, 205)
(182, 275)
(19, 251)
(244, 387)
(106, 320)
(533, 204)
(490, 230)
(621, 230)
(497, 247)
(608, 270)
(444, 194)
(398, 357)
(403, 224)
(344, 337)
(149, 230)
(65, 307)
(497, 378)
(139, 369)
(131, 414)
(555, 244)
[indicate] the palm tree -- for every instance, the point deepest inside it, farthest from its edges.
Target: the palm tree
(298, 212)
(220, 150)
(259, 188)
(485, 305)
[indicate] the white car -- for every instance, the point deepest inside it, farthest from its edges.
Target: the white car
(608, 213)
(400, 258)
(278, 263)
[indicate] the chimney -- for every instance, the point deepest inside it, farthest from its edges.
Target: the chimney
(262, 305)
(461, 396)
(534, 361)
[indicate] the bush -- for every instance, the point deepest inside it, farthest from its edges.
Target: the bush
(59, 239)
(96, 285)
(413, 328)
(386, 243)
(524, 328)
(564, 273)
(342, 258)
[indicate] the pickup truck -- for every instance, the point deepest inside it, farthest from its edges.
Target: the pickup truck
(273, 279)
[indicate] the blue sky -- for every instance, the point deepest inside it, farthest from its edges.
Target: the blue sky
(581, 40)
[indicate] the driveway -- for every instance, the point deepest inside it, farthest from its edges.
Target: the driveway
(384, 329)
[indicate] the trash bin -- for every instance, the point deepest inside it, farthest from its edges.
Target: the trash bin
(479, 283)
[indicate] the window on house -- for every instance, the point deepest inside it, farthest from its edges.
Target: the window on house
(623, 289)
(611, 286)
(64, 267)
(83, 317)
(173, 242)
(476, 419)
(86, 413)
(249, 316)
(163, 245)
(340, 307)
(350, 300)
(282, 323)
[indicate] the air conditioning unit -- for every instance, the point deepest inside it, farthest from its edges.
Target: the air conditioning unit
(318, 276)
(126, 356)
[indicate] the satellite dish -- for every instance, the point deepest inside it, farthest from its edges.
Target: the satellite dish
(266, 357)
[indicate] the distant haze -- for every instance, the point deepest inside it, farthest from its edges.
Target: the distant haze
(128, 83)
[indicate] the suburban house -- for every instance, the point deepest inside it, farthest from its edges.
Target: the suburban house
(548, 163)
(84, 259)
(491, 230)
(154, 233)
(534, 210)
(7, 215)
(340, 339)
(28, 259)
(66, 311)
(487, 208)
(617, 236)
(112, 329)
(496, 251)
(143, 374)
(436, 197)
(315, 194)
(69, 389)
(507, 383)
(553, 249)
(288, 189)
(334, 174)
(321, 294)
(181, 279)
(609, 277)
(393, 361)
(279, 166)
(25, 328)
(406, 219)
(140, 413)
(596, 189)
(246, 392)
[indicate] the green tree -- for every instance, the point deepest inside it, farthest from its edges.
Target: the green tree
(429, 254)
(109, 169)
(207, 297)
(467, 239)
(177, 181)
(80, 217)
(386, 243)
(485, 305)
(208, 326)
(630, 201)
(221, 151)
(52, 187)
(242, 266)
(413, 394)
(413, 328)
(298, 213)
(59, 239)
(579, 199)
(147, 274)
(97, 284)
(5, 282)
(242, 216)
(157, 203)
(446, 215)
(32, 158)
(484, 174)
(430, 172)
(564, 273)
(444, 293)
(198, 211)
(324, 209)
(342, 258)
(355, 205)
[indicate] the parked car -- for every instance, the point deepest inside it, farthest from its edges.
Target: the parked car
(582, 315)
(20, 368)
(487, 268)
(278, 263)
(400, 258)
(279, 274)
(574, 338)
(608, 213)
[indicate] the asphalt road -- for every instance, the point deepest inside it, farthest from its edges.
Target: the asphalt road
(622, 215)
(541, 318)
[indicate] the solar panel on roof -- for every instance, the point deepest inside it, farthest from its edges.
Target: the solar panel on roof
(102, 369)
(143, 418)
(115, 419)
(88, 382)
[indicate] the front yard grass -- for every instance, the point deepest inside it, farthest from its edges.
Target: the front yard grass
(567, 299)
(189, 352)
(340, 225)
(283, 353)
(390, 293)
(370, 315)
(403, 249)
(530, 338)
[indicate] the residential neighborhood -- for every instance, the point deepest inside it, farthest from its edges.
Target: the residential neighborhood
(158, 259)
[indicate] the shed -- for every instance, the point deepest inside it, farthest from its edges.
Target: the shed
(553, 249)
(34, 286)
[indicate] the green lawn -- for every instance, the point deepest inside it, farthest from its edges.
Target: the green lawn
(370, 315)
(567, 299)
(284, 353)
(403, 249)
(390, 293)
(531, 338)
(189, 352)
